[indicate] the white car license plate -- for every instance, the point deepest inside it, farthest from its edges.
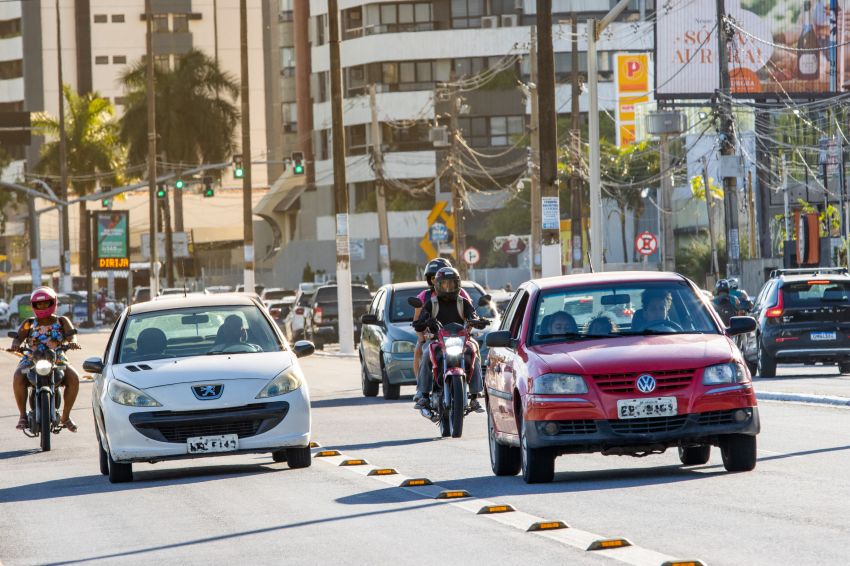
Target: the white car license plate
(822, 336)
(206, 444)
(645, 408)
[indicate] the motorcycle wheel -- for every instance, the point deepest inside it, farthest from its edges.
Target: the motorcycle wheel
(456, 409)
(445, 428)
(44, 425)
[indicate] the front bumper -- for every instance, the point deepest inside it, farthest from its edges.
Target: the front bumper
(399, 368)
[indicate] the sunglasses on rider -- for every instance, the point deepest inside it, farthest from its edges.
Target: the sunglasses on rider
(42, 304)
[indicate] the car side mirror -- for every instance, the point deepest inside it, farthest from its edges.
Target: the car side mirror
(303, 348)
(415, 302)
(371, 319)
(13, 334)
(741, 325)
(93, 365)
(500, 339)
(484, 300)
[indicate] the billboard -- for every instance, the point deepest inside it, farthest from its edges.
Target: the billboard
(632, 84)
(778, 48)
(112, 239)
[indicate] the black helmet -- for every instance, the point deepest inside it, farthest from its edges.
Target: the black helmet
(433, 267)
(721, 286)
(447, 283)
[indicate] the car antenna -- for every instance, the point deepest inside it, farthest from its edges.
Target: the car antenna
(590, 262)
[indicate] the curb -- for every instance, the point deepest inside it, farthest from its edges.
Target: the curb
(319, 354)
(803, 398)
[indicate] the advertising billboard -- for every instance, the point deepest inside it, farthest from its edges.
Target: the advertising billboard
(112, 239)
(632, 83)
(778, 48)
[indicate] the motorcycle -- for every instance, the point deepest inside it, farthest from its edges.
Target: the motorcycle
(43, 396)
(447, 351)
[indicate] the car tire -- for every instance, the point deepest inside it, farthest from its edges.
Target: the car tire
(694, 455)
(369, 387)
(766, 363)
(504, 460)
(119, 473)
(844, 368)
(103, 457)
(739, 452)
(391, 392)
(299, 457)
(279, 455)
(537, 464)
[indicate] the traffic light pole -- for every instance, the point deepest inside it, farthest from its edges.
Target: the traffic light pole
(247, 212)
(65, 228)
(380, 188)
(154, 266)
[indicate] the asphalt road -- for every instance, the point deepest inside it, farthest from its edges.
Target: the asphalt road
(56, 508)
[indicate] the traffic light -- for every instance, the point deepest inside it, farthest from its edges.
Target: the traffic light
(105, 201)
(160, 191)
(208, 188)
(297, 162)
(238, 171)
(179, 184)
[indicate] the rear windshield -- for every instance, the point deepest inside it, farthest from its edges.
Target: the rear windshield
(815, 292)
(328, 294)
(305, 300)
(272, 295)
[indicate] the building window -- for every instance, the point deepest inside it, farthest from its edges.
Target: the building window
(10, 28)
(11, 69)
(503, 129)
(285, 11)
(180, 23)
(289, 116)
(356, 138)
(355, 80)
(287, 61)
(408, 75)
(100, 18)
(101, 60)
(467, 13)
(401, 17)
(119, 59)
(160, 23)
(117, 18)
(468, 66)
(162, 63)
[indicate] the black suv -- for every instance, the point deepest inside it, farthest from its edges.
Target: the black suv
(803, 317)
(322, 326)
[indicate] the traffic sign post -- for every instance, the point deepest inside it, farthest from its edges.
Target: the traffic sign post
(646, 244)
(471, 256)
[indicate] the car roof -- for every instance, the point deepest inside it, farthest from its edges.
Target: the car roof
(605, 277)
(180, 302)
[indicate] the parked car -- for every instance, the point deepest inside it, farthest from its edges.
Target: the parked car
(803, 317)
(280, 309)
(12, 318)
(215, 289)
(294, 322)
(141, 294)
(170, 387)
(275, 294)
(258, 289)
(387, 339)
(322, 326)
(670, 377)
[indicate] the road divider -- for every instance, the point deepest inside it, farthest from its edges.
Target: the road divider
(606, 544)
(327, 453)
(547, 526)
(452, 494)
(383, 472)
(353, 462)
(412, 482)
(490, 509)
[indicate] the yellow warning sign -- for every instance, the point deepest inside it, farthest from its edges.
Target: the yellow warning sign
(438, 213)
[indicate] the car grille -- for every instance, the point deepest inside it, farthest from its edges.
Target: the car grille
(717, 418)
(180, 433)
(667, 380)
(576, 427)
(643, 426)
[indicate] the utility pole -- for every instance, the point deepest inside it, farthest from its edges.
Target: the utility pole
(457, 184)
(597, 230)
(785, 203)
(577, 214)
(536, 204)
(709, 204)
(668, 240)
(247, 213)
(343, 251)
(64, 221)
(751, 217)
(151, 98)
(35, 243)
(383, 224)
(169, 241)
(547, 127)
(727, 146)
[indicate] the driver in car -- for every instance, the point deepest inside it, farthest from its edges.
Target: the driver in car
(656, 306)
(232, 334)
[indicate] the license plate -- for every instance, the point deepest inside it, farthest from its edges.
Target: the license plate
(645, 408)
(207, 444)
(822, 336)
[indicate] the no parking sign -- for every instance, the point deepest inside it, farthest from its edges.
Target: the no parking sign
(646, 243)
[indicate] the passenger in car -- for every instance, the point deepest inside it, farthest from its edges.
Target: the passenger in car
(231, 332)
(558, 323)
(150, 345)
(602, 325)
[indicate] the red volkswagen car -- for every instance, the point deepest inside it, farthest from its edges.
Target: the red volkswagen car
(622, 363)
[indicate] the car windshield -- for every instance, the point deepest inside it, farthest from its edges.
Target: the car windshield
(620, 309)
(208, 330)
(305, 299)
(400, 311)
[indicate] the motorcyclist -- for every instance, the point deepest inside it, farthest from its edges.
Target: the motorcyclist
(725, 303)
(42, 332)
(446, 305)
(744, 301)
(431, 269)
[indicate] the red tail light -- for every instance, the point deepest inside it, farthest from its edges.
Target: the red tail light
(275, 313)
(776, 310)
(317, 315)
(299, 310)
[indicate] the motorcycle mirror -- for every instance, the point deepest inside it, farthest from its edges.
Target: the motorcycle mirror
(415, 302)
(12, 334)
(484, 300)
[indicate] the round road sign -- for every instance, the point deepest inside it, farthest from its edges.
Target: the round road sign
(471, 256)
(646, 243)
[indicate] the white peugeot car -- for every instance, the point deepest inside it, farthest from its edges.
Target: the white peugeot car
(199, 376)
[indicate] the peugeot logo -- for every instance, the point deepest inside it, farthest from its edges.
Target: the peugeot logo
(645, 383)
(207, 392)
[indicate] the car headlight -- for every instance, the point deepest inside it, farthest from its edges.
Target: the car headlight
(125, 394)
(286, 381)
(559, 383)
(454, 346)
(403, 347)
(43, 367)
(724, 373)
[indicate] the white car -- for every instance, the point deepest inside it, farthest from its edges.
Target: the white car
(204, 375)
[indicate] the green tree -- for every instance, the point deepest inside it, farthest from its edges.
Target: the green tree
(93, 147)
(196, 115)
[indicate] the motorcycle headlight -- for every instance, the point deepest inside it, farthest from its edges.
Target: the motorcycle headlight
(125, 394)
(43, 367)
(286, 381)
(724, 373)
(403, 347)
(559, 383)
(454, 346)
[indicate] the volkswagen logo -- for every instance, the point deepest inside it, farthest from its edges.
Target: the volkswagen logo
(645, 383)
(208, 392)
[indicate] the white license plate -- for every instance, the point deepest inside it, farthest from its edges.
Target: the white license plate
(822, 336)
(645, 408)
(207, 444)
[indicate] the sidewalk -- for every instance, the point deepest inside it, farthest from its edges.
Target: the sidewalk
(805, 384)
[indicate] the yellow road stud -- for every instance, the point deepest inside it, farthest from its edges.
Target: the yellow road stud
(315, 445)
(353, 462)
(491, 509)
(452, 494)
(382, 472)
(684, 563)
(326, 453)
(605, 544)
(413, 482)
(547, 526)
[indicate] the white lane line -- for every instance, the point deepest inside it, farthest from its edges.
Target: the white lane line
(575, 538)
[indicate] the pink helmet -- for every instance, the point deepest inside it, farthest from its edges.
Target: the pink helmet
(43, 295)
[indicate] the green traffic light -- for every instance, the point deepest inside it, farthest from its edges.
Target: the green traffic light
(299, 169)
(179, 184)
(238, 172)
(105, 202)
(160, 193)
(209, 192)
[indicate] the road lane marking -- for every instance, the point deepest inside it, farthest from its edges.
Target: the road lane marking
(575, 538)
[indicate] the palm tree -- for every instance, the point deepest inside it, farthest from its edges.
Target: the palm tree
(196, 116)
(93, 149)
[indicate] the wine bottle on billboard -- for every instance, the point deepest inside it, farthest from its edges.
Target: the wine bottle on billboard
(808, 56)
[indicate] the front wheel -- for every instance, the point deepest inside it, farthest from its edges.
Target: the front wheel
(391, 392)
(504, 460)
(538, 464)
(766, 363)
(44, 425)
(739, 452)
(694, 455)
(844, 368)
(298, 457)
(457, 406)
(119, 473)
(369, 387)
